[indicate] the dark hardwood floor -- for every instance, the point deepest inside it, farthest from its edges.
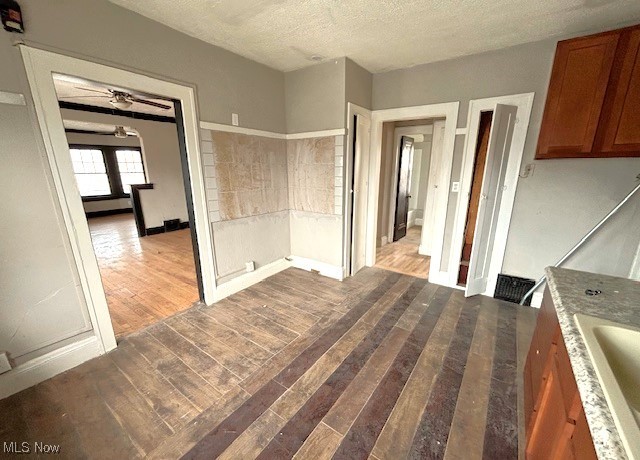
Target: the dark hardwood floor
(382, 365)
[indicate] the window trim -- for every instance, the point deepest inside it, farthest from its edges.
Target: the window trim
(112, 170)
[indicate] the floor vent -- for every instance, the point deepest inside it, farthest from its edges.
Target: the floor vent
(512, 288)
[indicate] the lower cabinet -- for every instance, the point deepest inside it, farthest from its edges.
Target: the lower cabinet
(556, 426)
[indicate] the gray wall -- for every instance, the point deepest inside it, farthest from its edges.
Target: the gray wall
(358, 84)
(314, 97)
(563, 198)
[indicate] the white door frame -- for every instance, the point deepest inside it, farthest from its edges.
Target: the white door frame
(524, 102)
(347, 205)
(397, 135)
(40, 65)
(449, 111)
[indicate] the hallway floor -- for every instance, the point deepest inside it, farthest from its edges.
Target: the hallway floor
(379, 366)
(145, 279)
(402, 256)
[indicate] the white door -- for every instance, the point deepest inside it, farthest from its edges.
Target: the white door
(359, 193)
(429, 215)
(504, 119)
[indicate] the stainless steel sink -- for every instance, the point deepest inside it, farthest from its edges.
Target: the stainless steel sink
(615, 353)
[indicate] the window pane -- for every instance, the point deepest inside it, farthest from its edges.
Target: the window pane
(90, 171)
(131, 169)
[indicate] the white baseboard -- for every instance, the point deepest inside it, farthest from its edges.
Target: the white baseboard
(46, 366)
(249, 279)
(328, 270)
(419, 221)
(536, 299)
(383, 240)
(423, 251)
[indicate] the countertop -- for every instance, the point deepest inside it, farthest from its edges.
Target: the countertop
(619, 302)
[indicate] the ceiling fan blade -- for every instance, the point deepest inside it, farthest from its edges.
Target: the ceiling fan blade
(93, 90)
(78, 97)
(151, 103)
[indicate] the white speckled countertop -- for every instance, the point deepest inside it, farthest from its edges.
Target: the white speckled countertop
(619, 302)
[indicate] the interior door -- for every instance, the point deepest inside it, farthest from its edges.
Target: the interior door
(404, 182)
(429, 216)
(359, 191)
(504, 119)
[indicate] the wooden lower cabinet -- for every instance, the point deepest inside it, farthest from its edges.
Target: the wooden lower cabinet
(556, 426)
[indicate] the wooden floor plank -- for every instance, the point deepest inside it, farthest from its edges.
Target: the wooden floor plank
(396, 438)
(466, 437)
(402, 256)
(320, 445)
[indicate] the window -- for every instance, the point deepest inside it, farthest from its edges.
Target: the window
(130, 167)
(106, 173)
(91, 172)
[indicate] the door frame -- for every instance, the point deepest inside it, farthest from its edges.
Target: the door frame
(347, 206)
(524, 102)
(448, 111)
(393, 190)
(40, 65)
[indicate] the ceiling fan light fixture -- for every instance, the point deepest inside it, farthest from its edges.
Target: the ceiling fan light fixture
(121, 104)
(120, 132)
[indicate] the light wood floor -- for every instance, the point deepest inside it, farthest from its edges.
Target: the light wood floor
(379, 366)
(145, 279)
(402, 256)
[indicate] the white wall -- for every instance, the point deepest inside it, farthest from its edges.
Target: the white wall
(161, 154)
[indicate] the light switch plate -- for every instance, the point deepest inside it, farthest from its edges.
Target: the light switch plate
(455, 187)
(234, 119)
(5, 365)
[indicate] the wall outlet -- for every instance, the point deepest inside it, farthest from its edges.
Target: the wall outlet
(455, 187)
(251, 266)
(5, 365)
(234, 119)
(527, 170)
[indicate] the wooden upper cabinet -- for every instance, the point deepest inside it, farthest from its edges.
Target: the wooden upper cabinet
(593, 103)
(578, 85)
(621, 117)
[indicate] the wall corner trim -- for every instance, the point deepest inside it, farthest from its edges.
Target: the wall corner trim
(325, 269)
(46, 366)
(461, 131)
(240, 130)
(249, 279)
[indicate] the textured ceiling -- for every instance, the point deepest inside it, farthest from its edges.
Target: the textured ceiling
(378, 34)
(70, 89)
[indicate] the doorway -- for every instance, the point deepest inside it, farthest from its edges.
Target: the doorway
(125, 152)
(41, 66)
(482, 145)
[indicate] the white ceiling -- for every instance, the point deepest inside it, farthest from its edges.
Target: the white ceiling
(77, 91)
(378, 34)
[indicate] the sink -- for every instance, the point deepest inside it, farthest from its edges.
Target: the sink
(615, 352)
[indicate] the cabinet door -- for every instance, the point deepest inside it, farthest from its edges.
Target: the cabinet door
(579, 80)
(550, 431)
(582, 442)
(621, 123)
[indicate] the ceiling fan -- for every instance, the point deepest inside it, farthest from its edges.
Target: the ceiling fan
(120, 99)
(120, 132)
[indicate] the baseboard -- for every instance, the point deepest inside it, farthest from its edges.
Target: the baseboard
(46, 366)
(536, 299)
(423, 251)
(383, 240)
(249, 279)
(328, 270)
(441, 278)
(419, 221)
(108, 212)
(157, 230)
